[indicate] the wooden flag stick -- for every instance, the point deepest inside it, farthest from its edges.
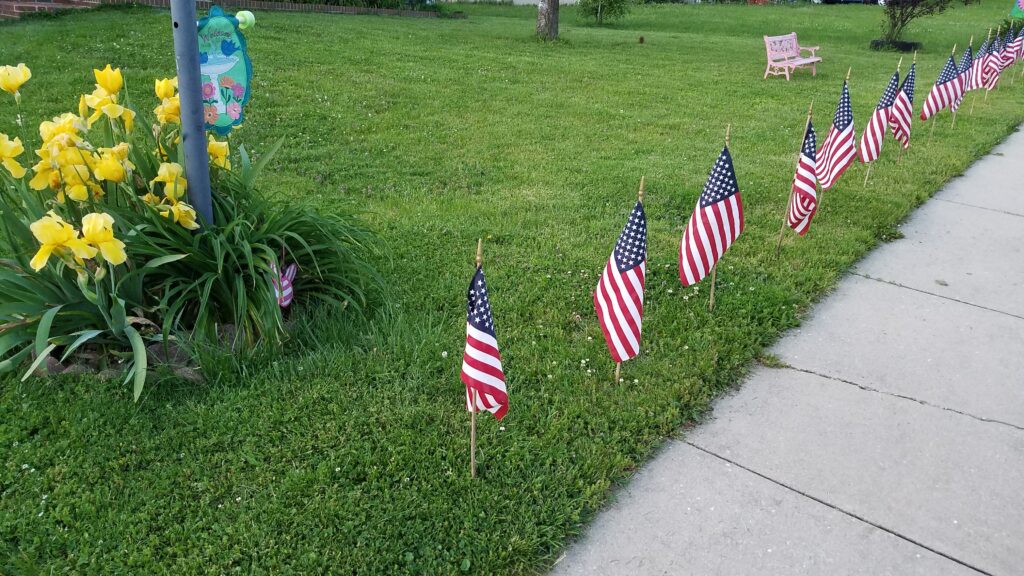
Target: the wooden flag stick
(711, 302)
(618, 368)
(848, 70)
(932, 131)
(714, 268)
(474, 397)
(868, 174)
(785, 215)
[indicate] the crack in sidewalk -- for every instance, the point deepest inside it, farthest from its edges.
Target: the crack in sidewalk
(867, 388)
(950, 298)
(840, 510)
(1008, 213)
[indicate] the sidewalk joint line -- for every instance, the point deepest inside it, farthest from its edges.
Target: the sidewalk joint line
(1008, 213)
(841, 511)
(950, 298)
(905, 397)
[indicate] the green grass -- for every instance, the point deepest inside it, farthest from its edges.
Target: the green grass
(350, 454)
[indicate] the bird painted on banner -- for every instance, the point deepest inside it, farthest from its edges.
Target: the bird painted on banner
(947, 90)
(874, 133)
(284, 284)
(716, 222)
(803, 201)
(481, 363)
(902, 115)
(838, 151)
(619, 297)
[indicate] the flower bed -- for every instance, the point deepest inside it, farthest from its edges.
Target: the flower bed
(102, 256)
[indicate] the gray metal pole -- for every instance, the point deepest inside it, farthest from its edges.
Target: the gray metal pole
(193, 131)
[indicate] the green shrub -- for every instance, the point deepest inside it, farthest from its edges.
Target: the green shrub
(603, 10)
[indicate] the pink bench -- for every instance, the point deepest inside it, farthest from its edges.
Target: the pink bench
(785, 54)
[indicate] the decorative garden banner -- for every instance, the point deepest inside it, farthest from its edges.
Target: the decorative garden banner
(226, 71)
(1018, 9)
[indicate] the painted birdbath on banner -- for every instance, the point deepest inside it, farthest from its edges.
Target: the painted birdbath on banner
(226, 71)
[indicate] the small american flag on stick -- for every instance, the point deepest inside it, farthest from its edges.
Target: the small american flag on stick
(803, 200)
(838, 151)
(977, 77)
(947, 90)
(874, 133)
(993, 64)
(716, 222)
(965, 69)
(619, 297)
(903, 108)
(481, 363)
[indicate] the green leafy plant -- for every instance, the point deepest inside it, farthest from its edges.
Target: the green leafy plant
(101, 256)
(604, 10)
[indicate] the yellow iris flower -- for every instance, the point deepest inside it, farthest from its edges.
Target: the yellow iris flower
(171, 174)
(104, 103)
(165, 88)
(98, 231)
(169, 111)
(12, 78)
(109, 80)
(9, 150)
(113, 163)
(218, 152)
(110, 168)
(182, 214)
(56, 235)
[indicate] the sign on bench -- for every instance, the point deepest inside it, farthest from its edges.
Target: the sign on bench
(785, 54)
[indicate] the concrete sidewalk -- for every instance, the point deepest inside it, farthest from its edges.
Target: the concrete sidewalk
(892, 444)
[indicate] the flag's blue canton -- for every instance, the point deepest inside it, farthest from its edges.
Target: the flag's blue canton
(1021, 33)
(721, 182)
(996, 47)
(966, 60)
(844, 115)
(908, 82)
(1009, 37)
(631, 248)
(984, 49)
(949, 71)
(478, 309)
(889, 96)
(810, 143)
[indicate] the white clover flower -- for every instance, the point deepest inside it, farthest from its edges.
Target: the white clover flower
(444, 354)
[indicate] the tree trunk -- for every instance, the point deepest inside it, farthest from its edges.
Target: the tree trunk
(547, 19)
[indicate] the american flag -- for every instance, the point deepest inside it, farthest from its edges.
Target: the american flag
(1009, 52)
(993, 64)
(619, 297)
(903, 109)
(838, 151)
(947, 89)
(964, 69)
(481, 363)
(874, 133)
(977, 77)
(716, 222)
(1018, 45)
(803, 202)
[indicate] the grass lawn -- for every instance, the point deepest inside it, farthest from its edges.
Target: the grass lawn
(349, 455)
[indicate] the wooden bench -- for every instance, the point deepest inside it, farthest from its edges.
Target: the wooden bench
(785, 54)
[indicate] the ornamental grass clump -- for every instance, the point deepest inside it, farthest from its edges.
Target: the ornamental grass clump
(102, 256)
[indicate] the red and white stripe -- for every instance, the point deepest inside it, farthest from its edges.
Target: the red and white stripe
(619, 302)
(803, 202)
(976, 79)
(993, 69)
(482, 372)
(835, 156)
(942, 96)
(710, 232)
(874, 134)
(900, 118)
